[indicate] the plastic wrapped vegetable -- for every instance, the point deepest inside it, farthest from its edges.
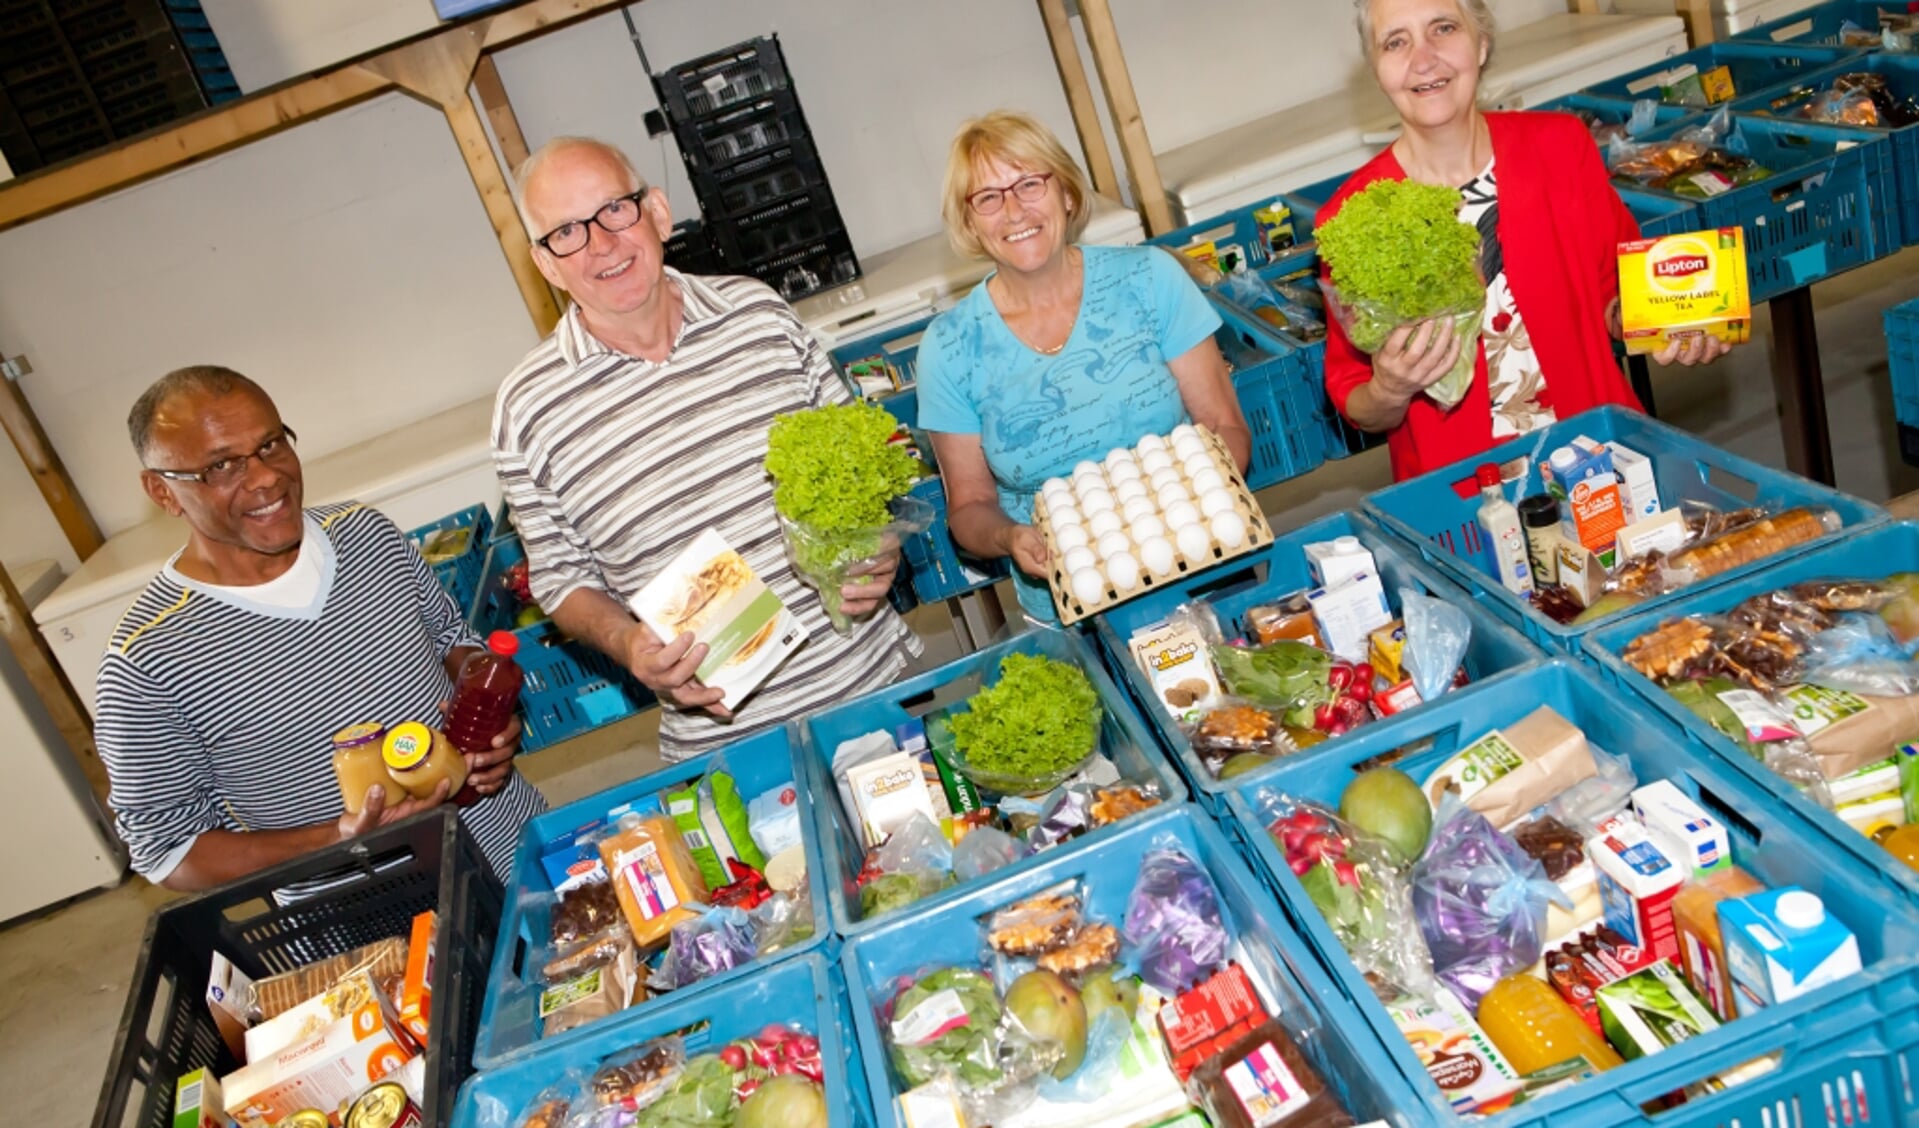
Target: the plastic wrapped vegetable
(1293, 677)
(915, 861)
(719, 940)
(1860, 654)
(1480, 902)
(1173, 921)
(948, 1022)
(1031, 730)
(1352, 882)
(1398, 256)
(839, 489)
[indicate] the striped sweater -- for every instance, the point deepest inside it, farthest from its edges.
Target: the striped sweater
(613, 464)
(215, 714)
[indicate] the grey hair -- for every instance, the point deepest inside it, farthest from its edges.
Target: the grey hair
(1477, 14)
(198, 379)
(530, 167)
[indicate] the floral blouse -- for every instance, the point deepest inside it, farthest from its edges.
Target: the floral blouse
(1520, 402)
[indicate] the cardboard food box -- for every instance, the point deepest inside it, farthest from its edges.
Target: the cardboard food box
(1683, 286)
(323, 1071)
(1637, 883)
(710, 592)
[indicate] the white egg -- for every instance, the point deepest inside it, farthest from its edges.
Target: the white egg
(1085, 468)
(1163, 477)
(1118, 456)
(1123, 570)
(1147, 527)
(1157, 554)
(1153, 461)
(1151, 442)
(1189, 449)
(1104, 522)
(1112, 544)
(1090, 492)
(1069, 537)
(1077, 559)
(1088, 585)
(1135, 511)
(1181, 515)
(1229, 529)
(1062, 513)
(1184, 431)
(1124, 492)
(1172, 495)
(1056, 489)
(1123, 473)
(1193, 543)
(1207, 478)
(1212, 503)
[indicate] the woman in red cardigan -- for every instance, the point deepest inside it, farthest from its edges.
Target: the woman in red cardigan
(1549, 222)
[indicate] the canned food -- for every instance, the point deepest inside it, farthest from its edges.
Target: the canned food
(386, 1105)
(306, 1118)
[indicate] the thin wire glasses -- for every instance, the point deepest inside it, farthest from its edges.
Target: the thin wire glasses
(276, 450)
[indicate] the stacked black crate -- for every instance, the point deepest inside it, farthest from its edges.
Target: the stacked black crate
(76, 75)
(764, 198)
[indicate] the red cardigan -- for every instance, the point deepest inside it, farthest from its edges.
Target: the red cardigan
(1559, 224)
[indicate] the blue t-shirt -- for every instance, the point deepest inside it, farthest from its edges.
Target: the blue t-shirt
(1038, 415)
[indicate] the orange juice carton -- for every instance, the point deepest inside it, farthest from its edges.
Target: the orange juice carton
(1684, 286)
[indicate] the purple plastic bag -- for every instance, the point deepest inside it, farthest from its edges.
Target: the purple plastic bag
(1173, 922)
(719, 940)
(1480, 902)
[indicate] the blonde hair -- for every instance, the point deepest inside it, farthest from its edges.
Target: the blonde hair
(1011, 138)
(1477, 15)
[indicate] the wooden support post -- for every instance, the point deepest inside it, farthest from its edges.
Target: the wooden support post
(1079, 98)
(499, 112)
(50, 684)
(1698, 17)
(1142, 168)
(1583, 7)
(49, 473)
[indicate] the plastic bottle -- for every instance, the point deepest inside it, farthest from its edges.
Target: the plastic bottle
(1536, 1029)
(1500, 521)
(1702, 949)
(1903, 844)
(1540, 515)
(487, 692)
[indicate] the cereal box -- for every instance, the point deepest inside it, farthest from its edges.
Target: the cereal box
(1681, 286)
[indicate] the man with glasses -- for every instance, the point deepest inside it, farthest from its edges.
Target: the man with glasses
(640, 423)
(274, 628)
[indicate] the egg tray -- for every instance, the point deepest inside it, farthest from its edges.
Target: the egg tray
(1259, 534)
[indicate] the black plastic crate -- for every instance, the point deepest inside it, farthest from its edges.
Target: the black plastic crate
(760, 185)
(742, 134)
(690, 249)
(770, 232)
(715, 82)
(806, 269)
(426, 862)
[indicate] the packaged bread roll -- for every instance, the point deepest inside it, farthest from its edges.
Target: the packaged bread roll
(1756, 541)
(653, 875)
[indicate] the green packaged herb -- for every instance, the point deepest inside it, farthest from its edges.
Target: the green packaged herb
(712, 820)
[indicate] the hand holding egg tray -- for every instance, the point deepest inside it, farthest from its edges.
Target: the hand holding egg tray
(1172, 506)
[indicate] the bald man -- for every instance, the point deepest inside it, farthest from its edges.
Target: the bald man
(642, 422)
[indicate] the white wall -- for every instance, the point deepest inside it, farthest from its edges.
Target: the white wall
(347, 263)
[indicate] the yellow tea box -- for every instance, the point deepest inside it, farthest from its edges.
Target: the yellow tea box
(1683, 286)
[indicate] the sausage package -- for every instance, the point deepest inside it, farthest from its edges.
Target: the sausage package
(653, 875)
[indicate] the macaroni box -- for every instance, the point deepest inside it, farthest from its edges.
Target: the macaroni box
(1684, 286)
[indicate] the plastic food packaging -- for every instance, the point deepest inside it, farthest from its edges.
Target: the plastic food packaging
(633, 1079)
(1264, 1081)
(1756, 541)
(582, 912)
(548, 1109)
(1437, 635)
(1286, 675)
(828, 560)
(712, 819)
(717, 941)
(1860, 654)
(1173, 920)
(782, 920)
(915, 861)
(1480, 902)
(1237, 728)
(592, 995)
(653, 876)
(983, 850)
(947, 1023)
(1033, 729)
(1369, 324)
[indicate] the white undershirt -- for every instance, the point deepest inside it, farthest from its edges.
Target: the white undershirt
(295, 589)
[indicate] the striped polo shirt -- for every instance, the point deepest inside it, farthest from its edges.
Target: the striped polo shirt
(613, 464)
(218, 713)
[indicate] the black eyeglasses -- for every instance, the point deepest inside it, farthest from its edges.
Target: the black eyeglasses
(986, 201)
(276, 450)
(571, 237)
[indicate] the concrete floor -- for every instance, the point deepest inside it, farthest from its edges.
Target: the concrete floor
(64, 971)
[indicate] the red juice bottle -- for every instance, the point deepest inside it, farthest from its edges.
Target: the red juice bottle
(487, 692)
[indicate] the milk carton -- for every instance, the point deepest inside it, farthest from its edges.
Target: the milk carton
(1638, 489)
(1782, 943)
(1637, 882)
(1684, 831)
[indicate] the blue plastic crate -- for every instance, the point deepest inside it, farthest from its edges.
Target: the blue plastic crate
(805, 991)
(571, 688)
(1901, 75)
(1755, 67)
(899, 346)
(1850, 1048)
(1659, 216)
(1615, 111)
(510, 1022)
(1871, 555)
(461, 575)
(1902, 357)
(1297, 990)
(1277, 404)
(1829, 206)
(1236, 235)
(1317, 194)
(1124, 738)
(1278, 570)
(1822, 26)
(1436, 512)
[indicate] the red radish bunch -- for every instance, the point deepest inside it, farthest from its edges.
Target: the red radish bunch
(1352, 682)
(1308, 839)
(515, 580)
(772, 1052)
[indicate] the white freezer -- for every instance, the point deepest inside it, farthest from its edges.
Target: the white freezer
(1729, 17)
(1334, 134)
(58, 841)
(440, 465)
(917, 278)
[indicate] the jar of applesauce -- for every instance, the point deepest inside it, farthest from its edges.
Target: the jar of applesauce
(418, 758)
(358, 763)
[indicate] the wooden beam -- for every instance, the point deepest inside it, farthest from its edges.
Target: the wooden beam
(49, 473)
(1142, 168)
(1698, 17)
(1079, 98)
(499, 112)
(1583, 7)
(50, 684)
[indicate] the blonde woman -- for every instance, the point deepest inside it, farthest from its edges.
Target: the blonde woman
(1063, 353)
